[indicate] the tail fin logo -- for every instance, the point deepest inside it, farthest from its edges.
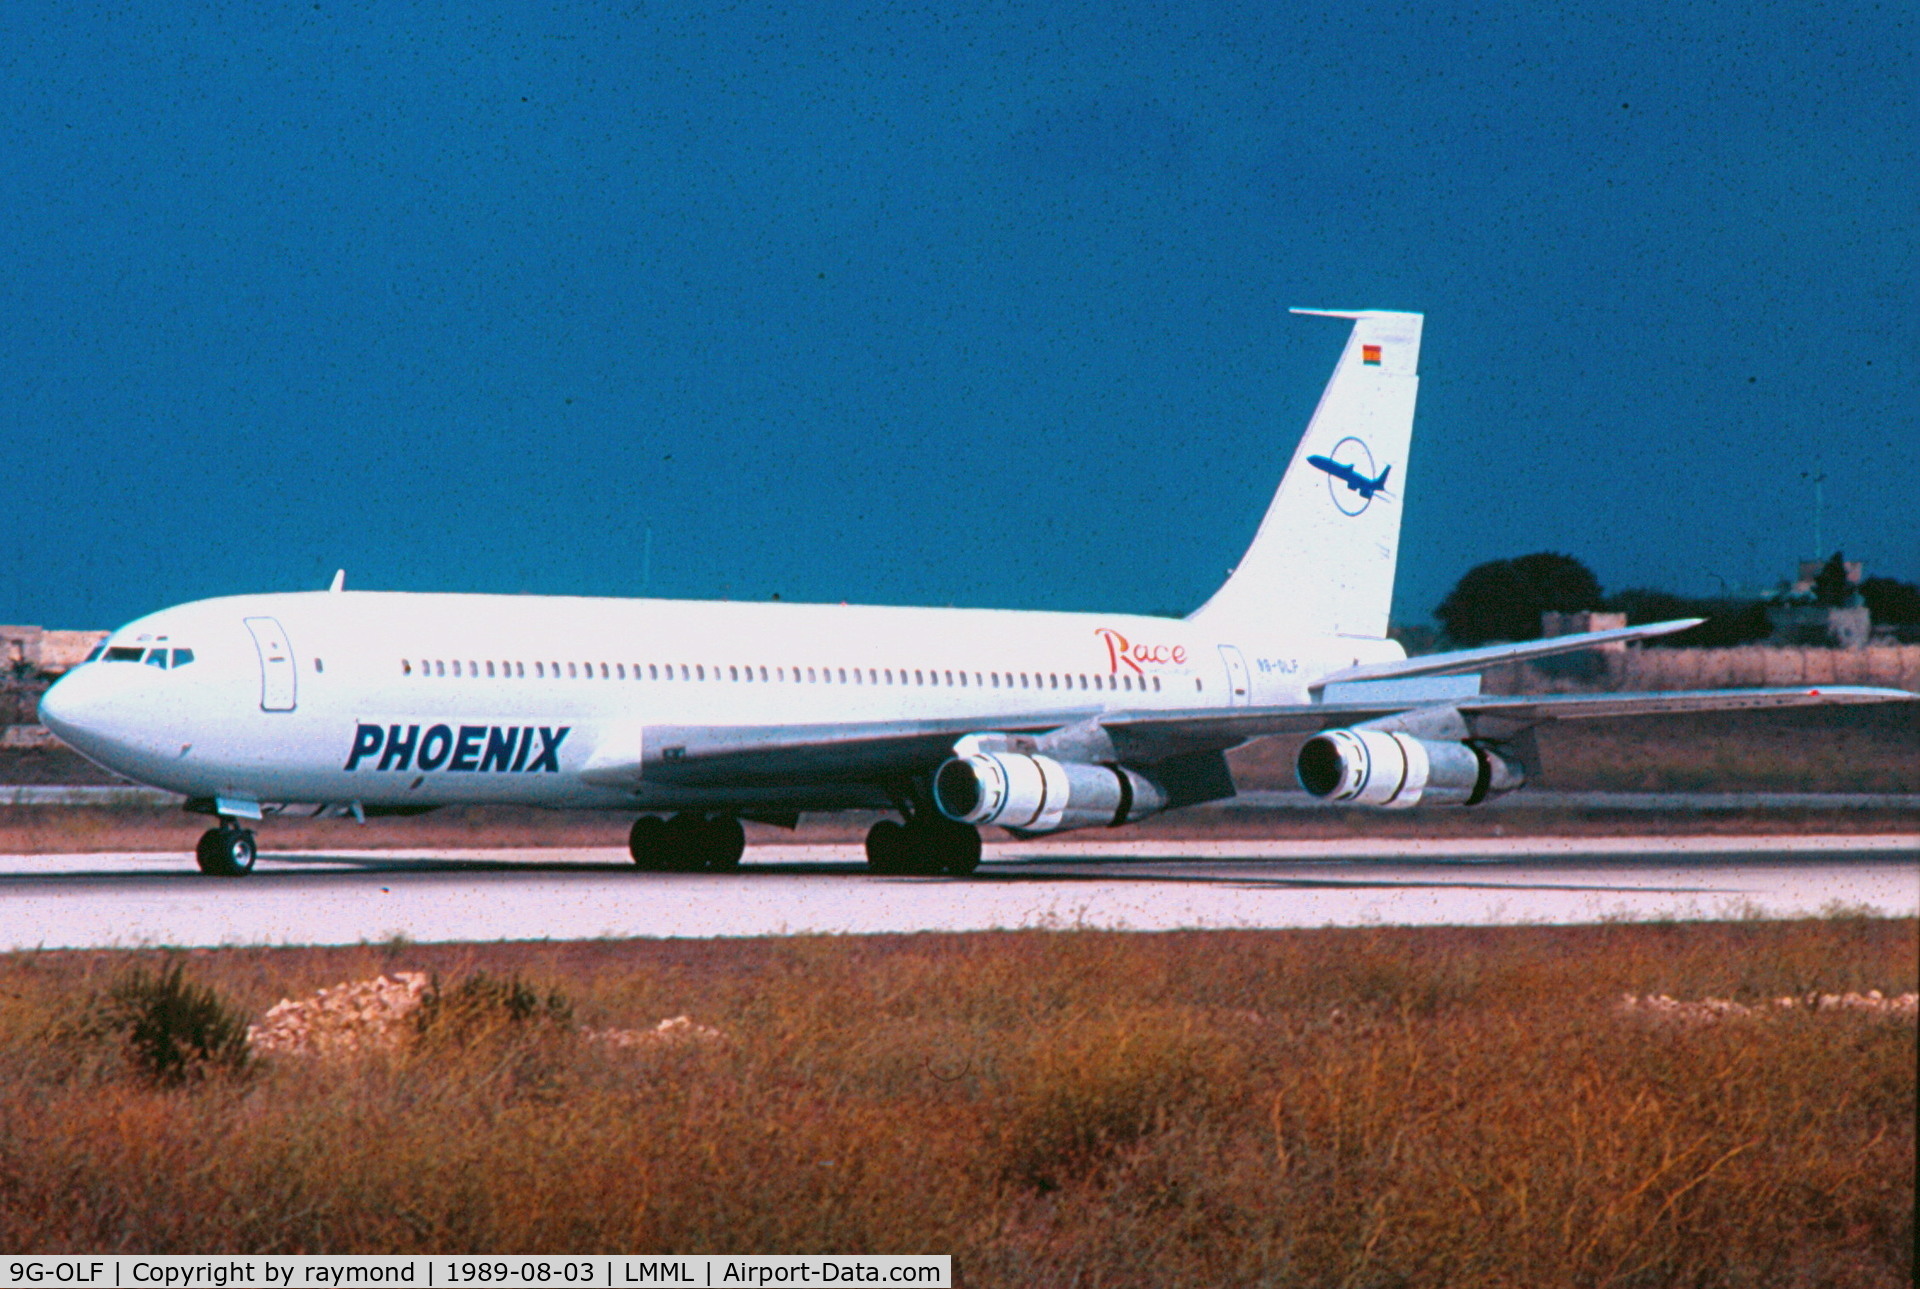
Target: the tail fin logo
(1351, 481)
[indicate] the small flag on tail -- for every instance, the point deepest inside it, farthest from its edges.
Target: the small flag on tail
(1370, 355)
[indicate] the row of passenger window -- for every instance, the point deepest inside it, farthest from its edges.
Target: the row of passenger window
(152, 657)
(781, 675)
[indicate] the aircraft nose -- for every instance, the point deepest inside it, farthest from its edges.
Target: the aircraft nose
(76, 706)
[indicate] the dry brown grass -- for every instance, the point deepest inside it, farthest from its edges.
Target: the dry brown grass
(1365, 1107)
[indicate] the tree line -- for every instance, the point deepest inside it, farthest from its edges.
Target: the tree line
(1503, 599)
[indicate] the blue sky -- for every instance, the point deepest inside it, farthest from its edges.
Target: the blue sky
(980, 306)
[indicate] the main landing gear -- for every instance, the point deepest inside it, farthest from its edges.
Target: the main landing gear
(926, 844)
(226, 851)
(687, 843)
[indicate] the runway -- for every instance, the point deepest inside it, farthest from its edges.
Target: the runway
(342, 897)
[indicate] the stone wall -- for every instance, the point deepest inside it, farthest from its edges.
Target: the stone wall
(1750, 666)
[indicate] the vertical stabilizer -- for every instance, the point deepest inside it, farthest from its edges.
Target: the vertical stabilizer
(1324, 557)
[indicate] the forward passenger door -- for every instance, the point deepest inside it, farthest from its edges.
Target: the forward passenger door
(277, 679)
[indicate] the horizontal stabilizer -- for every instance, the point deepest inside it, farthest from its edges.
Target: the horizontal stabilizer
(1457, 661)
(1421, 691)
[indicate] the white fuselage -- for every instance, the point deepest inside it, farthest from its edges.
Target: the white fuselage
(506, 699)
(397, 701)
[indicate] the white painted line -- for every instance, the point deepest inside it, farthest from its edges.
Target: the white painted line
(1431, 848)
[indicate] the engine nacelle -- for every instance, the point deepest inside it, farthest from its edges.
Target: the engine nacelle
(1375, 768)
(1028, 793)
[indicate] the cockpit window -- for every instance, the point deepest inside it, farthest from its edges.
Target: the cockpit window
(181, 657)
(124, 653)
(97, 651)
(157, 658)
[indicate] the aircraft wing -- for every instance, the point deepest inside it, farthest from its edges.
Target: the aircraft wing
(719, 756)
(1150, 736)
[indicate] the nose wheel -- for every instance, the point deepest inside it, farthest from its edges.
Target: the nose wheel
(226, 851)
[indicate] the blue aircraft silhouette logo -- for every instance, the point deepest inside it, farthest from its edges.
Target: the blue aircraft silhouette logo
(1355, 481)
(1352, 473)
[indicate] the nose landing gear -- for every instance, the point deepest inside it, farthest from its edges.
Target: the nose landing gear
(226, 851)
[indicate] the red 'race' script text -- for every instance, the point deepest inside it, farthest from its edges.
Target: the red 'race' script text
(1139, 656)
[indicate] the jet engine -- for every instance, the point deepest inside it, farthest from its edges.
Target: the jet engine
(1027, 793)
(1374, 768)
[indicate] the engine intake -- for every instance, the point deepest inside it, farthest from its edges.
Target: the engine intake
(1033, 794)
(1375, 768)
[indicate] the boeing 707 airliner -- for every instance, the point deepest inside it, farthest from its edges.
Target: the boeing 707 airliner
(696, 715)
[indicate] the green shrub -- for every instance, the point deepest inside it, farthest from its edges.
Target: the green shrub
(174, 1031)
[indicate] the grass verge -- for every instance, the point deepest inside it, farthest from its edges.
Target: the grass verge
(1382, 1106)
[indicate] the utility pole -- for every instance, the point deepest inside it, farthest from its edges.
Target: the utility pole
(1819, 502)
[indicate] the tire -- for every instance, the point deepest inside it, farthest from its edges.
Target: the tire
(959, 850)
(696, 844)
(887, 848)
(226, 852)
(926, 848)
(723, 842)
(648, 842)
(683, 844)
(921, 849)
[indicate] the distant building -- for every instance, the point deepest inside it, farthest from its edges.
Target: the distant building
(32, 658)
(1803, 623)
(1573, 624)
(27, 651)
(1798, 619)
(1587, 663)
